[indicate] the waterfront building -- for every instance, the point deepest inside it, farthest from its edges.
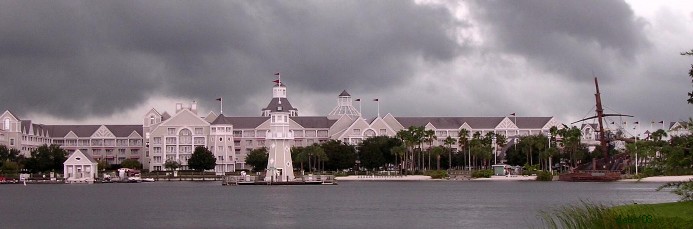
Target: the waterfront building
(161, 136)
(80, 168)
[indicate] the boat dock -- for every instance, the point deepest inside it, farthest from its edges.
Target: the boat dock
(255, 180)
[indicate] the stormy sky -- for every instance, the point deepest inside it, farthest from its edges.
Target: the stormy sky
(111, 61)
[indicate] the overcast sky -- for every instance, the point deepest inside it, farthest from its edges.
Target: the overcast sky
(111, 61)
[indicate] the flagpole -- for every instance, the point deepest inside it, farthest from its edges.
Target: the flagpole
(359, 100)
(221, 105)
(377, 101)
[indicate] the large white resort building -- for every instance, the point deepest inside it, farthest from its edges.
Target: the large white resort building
(164, 136)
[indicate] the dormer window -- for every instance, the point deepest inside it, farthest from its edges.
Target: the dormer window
(279, 108)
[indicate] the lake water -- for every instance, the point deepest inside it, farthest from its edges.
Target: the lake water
(429, 204)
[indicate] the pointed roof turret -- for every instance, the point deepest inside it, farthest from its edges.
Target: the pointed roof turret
(344, 107)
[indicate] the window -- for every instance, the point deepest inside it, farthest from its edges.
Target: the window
(357, 131)
(229, 129)
(279, 108)
(237, 133)
(6, 124)
(185, 137)
(220, 149)
(248, 142)
(11, 141)
(198, 131)
(121, 151)
(383, 131)
(157, 140)
(214, 129)
(151, 119)
(171, 131)
(157, 150)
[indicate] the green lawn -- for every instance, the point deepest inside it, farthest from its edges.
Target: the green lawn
(588, 215)
(670, 214)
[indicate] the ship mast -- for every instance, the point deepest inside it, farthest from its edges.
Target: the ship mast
(600, 116)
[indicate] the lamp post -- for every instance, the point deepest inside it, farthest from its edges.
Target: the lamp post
(550, 165)
(495, 152)
(636, 154)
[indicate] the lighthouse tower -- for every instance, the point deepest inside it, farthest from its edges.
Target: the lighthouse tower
(279, 165)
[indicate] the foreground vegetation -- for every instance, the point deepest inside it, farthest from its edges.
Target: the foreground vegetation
(589, 215)
(664, 215)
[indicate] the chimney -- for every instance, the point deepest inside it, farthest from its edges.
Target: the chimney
(193, 107)
(179, 107)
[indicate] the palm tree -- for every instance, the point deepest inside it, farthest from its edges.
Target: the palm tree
(399, 151)
(437, 151)
(313, 151)
(418, 138)
(658, 135)
(501, 140)
(429, 136)
(463, 140)
(406, 136)
(448, 142)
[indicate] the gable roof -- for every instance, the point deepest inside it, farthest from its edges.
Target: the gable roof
(240, 122)
(344, 94)
(473, 122)
(274, 105)
(314, 121)
(531, 122)
(80, 154)
(451, 122)
(87, 130)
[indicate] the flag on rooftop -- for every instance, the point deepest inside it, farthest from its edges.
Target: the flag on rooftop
(358, 100)
(276, 74)
(219, 99)
(513, 114)
(375, 100)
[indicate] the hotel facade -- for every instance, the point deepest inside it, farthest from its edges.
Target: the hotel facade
(162, 136)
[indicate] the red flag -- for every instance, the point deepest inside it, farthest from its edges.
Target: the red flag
(276, 74)
(358, 100)
(661, 122)
(636, 123)
(276, 81)
(375, 100)
(513, 114)
(219, 99)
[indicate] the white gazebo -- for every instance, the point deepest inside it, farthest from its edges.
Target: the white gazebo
(80, 168)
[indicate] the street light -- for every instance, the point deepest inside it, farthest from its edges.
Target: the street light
(550, 164)
(495, 152)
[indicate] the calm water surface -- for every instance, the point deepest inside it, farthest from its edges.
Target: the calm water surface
(431, 204)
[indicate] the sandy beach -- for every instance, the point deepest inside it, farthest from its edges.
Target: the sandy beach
(661, 179)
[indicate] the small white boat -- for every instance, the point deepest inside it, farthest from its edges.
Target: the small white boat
(148, 179)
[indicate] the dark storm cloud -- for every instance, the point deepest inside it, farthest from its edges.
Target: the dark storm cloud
(76, 59)
(573, 38)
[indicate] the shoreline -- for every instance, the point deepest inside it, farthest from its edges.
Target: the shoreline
(661, 179)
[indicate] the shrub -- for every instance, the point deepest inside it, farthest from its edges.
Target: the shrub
(482, 173)
(544, 176)
(437, 174)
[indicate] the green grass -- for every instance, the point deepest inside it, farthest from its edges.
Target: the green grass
(589, 215)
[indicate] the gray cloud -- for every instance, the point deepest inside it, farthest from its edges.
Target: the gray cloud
(77, 59)
(573, 38)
